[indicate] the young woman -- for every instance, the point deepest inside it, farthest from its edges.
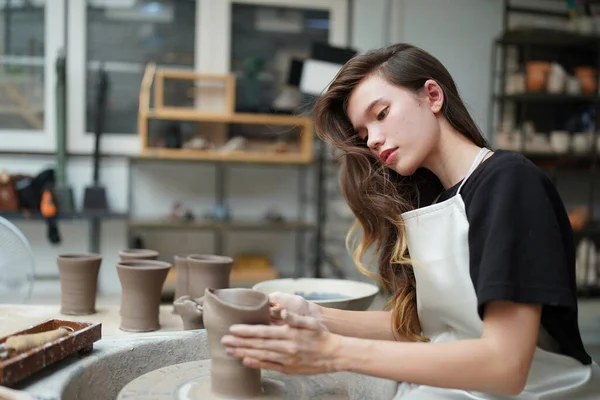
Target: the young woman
(475, 246)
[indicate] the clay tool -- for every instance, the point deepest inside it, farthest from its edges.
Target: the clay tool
(21, 343)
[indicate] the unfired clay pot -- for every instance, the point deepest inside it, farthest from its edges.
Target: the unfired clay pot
(78, 283)
(138, 254)
(221, 309)
(141, 287)
(182, 277)
(207, 271)
(190, 311)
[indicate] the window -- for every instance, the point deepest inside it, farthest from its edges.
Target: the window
(264, 41)
(22, 49)
(124, 36)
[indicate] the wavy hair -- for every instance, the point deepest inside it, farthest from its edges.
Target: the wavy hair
(377, 195)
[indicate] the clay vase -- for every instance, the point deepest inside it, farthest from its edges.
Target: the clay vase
(138, 254)
(182, 278)
(207, 271)
(78, 283)
(221, 309)
(190, 311)
(141, 289)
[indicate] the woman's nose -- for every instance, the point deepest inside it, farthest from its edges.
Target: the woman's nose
(375, 140)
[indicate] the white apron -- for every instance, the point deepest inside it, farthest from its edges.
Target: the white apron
(437, 238)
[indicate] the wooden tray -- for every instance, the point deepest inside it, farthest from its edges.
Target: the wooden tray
(23, 365)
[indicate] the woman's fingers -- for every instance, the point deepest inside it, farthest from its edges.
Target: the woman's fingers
(262, 331)
(276, 310)
(300, 321)
(258, 354)
(235, 343)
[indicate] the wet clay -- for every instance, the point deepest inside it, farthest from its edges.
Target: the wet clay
(223, 308)
(190, 311)
(78, 283)
(182, 278)
(191, 381)
(141, 288)
(138, 254)
(225, 377)
(207, 271)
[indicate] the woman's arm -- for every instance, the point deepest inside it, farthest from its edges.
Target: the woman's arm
(360, 324)
(498, 362)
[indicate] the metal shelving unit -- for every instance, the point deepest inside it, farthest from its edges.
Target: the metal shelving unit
(567, 48)
(301, 225)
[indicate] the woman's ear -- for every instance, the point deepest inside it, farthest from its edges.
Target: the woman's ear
(434, 94)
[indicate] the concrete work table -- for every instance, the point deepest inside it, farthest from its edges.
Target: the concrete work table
(14, 318)
(120, 357)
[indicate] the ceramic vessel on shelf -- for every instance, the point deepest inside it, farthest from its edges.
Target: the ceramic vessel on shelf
(581, 142)
(560, 141)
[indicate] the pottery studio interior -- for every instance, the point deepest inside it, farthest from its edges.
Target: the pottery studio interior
(154, 152)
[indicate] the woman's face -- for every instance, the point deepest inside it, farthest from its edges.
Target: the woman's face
(399, 127)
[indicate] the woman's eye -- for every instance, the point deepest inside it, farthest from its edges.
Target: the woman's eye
(382, 114)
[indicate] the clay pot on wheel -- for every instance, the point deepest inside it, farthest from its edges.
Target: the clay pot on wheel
(138, 254)
(78, 283)
(207, 271)
(221, 309)
(141, 286)
(182, 278)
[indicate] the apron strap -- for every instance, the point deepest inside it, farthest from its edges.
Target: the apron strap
(480, 156)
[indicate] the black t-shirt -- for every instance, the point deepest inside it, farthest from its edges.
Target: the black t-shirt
(521, 244)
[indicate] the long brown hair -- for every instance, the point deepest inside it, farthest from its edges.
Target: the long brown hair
(376, 195)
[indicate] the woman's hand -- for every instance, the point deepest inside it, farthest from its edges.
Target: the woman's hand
(292, 303)
(300, 345)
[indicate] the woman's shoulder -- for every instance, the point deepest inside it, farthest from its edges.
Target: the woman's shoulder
(507, 170)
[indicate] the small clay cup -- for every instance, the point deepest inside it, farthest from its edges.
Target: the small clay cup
(222, 308)
(138, 254)
(182, 278)
(141, 287)
(207, 271)
(78, 283)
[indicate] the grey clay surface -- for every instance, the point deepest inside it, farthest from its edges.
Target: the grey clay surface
(118, 360)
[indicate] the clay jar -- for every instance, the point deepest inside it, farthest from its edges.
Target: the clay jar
(141, 289)
(537, 75)
(207, 271)
(138, 254)
(78, 283)
(182, 277)
(221, 309)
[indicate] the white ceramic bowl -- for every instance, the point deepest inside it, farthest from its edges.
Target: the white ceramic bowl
(333, 293)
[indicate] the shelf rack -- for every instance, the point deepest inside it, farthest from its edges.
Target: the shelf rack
(540, 43)
(214, 103)
(213, 89)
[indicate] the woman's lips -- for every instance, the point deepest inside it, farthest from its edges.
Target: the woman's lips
(388, 156)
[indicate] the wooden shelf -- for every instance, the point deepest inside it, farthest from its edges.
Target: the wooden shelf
(225, 94)
(188, 114)
(221, 225)
(230, 156)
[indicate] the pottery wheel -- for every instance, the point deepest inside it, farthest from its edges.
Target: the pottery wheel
(175, 382)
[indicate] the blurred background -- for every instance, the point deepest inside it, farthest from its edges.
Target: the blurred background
(184, 125)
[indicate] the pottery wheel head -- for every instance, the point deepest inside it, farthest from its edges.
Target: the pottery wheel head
(185, 381)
